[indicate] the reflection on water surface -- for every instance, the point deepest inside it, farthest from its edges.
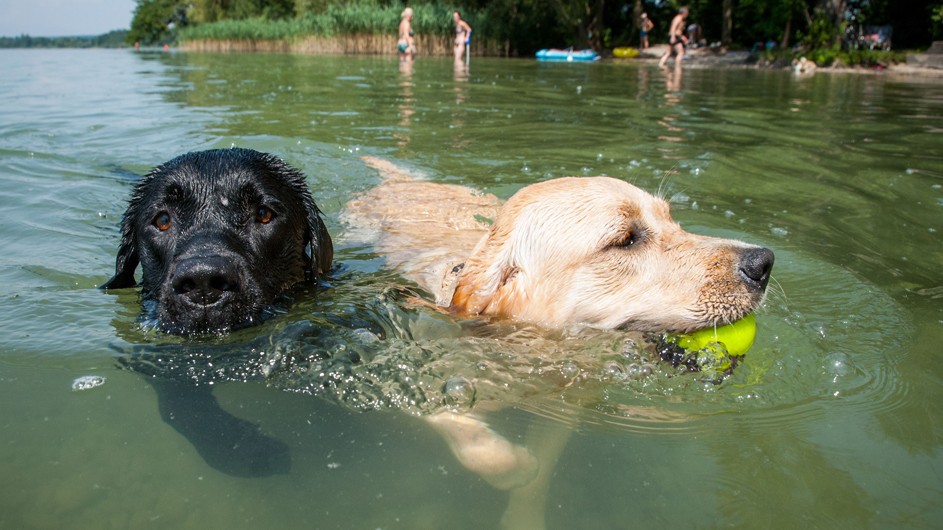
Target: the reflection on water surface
(833, 414)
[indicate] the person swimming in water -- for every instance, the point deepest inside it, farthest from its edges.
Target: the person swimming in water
(406, 44)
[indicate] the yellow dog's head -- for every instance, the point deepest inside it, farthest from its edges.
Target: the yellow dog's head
(601, 252)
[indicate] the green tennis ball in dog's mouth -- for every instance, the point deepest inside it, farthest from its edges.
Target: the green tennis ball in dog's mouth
(737, 337)
(717, 346)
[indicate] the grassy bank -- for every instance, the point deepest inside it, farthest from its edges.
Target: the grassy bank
(354, 28)
(363, 44)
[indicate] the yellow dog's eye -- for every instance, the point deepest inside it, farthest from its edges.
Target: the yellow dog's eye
(162, 221)
(628, 239)
(264, 215)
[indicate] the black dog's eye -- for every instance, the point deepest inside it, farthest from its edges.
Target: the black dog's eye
(162, 221)
(264, 215)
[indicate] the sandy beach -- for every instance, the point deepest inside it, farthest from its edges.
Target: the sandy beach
(710, 58)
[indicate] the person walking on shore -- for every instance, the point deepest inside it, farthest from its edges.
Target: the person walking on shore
(676, 38)
(406, 44)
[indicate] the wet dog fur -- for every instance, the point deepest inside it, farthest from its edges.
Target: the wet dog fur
(592, 251)
(219, 235)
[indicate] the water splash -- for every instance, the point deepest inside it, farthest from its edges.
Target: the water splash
(87, 382)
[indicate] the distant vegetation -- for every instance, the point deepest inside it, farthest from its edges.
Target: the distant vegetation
(519, 27)
(112, 39)
(356, 27)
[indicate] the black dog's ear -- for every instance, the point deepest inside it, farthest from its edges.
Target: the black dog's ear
(127, 260)
(318, 247)
(125, 263)
(318, 241)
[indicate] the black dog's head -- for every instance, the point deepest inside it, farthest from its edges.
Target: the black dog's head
(219, 235)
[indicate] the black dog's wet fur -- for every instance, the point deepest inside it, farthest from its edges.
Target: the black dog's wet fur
(219, 235)
(209, 204)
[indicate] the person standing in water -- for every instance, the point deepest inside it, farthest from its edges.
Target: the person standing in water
(405, 43)
(676, 38)
(462, 36)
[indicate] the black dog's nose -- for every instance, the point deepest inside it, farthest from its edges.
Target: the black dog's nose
(205, 280)
(755, 266)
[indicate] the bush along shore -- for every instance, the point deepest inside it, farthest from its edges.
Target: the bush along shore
(362, 44)
(356, 28)
(364, 27)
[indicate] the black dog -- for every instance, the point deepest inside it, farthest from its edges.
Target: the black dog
(219, 236)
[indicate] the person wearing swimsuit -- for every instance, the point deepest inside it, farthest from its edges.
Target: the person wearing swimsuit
(645, 25)
(676, 38)
(462, 35)
(405, 43)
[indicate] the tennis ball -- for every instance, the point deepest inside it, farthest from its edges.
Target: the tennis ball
(737, 338)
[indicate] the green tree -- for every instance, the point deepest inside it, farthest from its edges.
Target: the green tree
(203, 11)
(937, 19)
(156, 21)
(763, 20)
(582, 19)
(833, 11)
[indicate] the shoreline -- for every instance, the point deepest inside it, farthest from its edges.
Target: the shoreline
(707, 58)
(437, 47)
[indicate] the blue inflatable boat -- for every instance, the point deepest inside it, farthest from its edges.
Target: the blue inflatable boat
(566, 55)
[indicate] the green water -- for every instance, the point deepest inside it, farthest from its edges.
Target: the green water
(834, 419)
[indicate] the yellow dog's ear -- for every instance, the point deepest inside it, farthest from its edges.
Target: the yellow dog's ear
(492, 280)
(468, 298)
(473, 294)
(485, 289)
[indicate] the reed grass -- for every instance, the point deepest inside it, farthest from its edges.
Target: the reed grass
(355, 27)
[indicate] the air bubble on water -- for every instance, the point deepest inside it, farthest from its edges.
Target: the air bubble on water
(779, 231)
(459, 391)
(680, 198)
(630, 348)
(639, 370)
(729, 214)
(87, 382)
(820, 330)
(570, 369)
(614, 370)
(838, 364)
(365, 336)
(599, 157)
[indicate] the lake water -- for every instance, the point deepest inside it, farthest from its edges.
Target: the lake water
(833, 420)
